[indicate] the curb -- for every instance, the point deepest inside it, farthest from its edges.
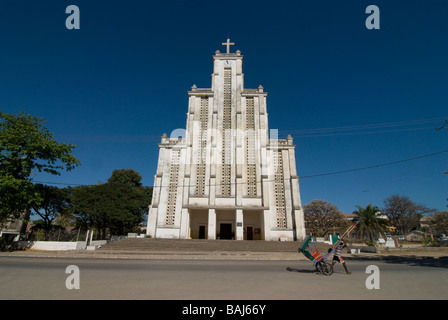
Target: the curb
(214, 255)
(165, 255)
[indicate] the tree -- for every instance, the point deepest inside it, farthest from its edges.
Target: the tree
(118, 205)
(438, 223)
(321, 216)
(54, 202)
(404, 214)
(26, 145)
(127, 177)
(88, 204)
(129, 200)
(370, 221)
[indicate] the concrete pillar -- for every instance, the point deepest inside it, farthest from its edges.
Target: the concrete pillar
(185, 225)
(211, 224)
(152, 222)
(239, 225)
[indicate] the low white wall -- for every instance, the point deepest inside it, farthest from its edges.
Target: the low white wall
(81, 245)
(53, 245)
(98, 243)
(167, 233)
(279, 235)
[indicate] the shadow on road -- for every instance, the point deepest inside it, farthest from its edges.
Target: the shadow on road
(302, 270)
(416, 261)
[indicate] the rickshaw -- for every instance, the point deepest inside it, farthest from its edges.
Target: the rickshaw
(309, 250)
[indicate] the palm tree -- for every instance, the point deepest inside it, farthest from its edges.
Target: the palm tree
(370, 221)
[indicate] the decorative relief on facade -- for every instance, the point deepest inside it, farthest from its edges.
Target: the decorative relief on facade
(226, 137)
(172, 188)
(279, 190)
(201, 154)
(250, 149)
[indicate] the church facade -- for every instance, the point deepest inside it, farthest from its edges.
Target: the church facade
(226, 176)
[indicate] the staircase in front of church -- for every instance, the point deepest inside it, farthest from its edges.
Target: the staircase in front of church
(183, 246)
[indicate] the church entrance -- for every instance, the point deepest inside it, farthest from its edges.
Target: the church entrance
(198, 223)
(225, 231)
(225, 224)
(250, 233)
(201, 232)
(253, 224)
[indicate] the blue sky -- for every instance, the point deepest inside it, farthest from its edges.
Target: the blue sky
(350, 97)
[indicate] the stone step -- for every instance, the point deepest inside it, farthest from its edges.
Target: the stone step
(160, 245)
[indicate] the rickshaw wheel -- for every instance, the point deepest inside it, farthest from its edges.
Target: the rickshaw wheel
(324, 268)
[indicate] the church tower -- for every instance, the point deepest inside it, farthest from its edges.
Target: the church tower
(226, 176)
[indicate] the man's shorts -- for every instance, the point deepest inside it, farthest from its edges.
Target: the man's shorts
(338, 259)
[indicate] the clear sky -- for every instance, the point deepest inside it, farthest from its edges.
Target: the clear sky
(350, 97)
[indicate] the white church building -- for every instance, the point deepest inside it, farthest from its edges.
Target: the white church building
(227, 175)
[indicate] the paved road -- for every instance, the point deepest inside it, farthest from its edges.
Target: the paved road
(45, 278)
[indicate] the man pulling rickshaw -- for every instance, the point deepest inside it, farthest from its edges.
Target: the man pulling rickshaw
(309, 250)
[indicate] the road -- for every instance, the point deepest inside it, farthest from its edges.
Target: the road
(45, 278)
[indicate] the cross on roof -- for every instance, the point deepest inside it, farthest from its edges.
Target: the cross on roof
(228, 44)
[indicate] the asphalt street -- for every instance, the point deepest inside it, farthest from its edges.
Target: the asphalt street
(104, 279)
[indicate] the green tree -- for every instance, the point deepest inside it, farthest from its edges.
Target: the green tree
(118, 205)
(371, 222)
(54, 202)
(89, 205)
(27, 146)
(129, 201)
(128, 177)
(321, 216)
